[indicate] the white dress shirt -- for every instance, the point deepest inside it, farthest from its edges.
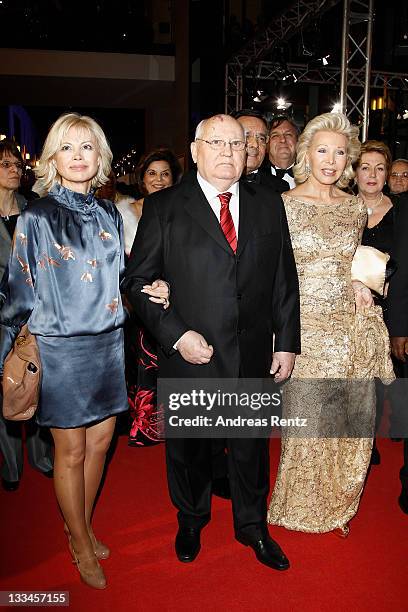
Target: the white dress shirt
(286, 177)
(211, 194)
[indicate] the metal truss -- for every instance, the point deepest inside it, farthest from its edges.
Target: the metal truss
(281, 29)
(330, 75)
(358, 18)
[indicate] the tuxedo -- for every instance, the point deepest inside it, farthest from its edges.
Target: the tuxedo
(284, 174)
(237, 302)
(264, 177)
(397, 311)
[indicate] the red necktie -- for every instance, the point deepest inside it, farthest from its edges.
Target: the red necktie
(227, 224)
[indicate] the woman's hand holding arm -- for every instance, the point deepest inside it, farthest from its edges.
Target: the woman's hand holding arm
(362, 295)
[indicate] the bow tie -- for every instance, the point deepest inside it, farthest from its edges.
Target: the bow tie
(252, 177)
(280, 172)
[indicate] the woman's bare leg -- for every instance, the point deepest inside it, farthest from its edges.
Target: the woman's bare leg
(69, 484)
(98, 439)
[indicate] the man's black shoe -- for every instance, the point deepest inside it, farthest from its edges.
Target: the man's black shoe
(10, 485)
(187, 544)
(48, 474)
(267, 551)
(403, 501)
(221, 487)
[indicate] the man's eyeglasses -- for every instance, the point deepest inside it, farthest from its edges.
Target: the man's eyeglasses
(217, 144)
(403, 175)
(6, 165)
(261, 139)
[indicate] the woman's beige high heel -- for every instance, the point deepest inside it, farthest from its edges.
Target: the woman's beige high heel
(102, 552)
(95, 578)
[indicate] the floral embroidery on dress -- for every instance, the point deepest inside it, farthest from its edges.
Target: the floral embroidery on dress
(94, 263)
(105, 235)
(51, 261)
(87, 277)
(23, 238)
(46, 259)
(113, 306)
(25, 268)
(65, 251)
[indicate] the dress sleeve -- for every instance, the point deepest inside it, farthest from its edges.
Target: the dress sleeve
(19, 282)
(114, 212)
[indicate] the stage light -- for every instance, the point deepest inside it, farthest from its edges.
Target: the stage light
(336, 108)
(325, 60)
(2, 136)
(281, 104)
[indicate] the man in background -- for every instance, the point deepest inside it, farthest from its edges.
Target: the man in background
(398, 177)
(283, 137)
(257, 138)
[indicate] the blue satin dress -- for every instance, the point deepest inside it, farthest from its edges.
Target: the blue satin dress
(63, 280)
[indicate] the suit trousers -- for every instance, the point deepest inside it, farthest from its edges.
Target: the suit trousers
(398, 393)
(189, 473)
(38, 443)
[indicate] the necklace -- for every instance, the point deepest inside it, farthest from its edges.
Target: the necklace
(371, 209)
(6, 216)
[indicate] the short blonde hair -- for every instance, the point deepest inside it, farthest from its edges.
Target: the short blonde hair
(46, 171)
(330, 122)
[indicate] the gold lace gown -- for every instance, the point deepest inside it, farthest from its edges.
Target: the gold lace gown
(320, 479)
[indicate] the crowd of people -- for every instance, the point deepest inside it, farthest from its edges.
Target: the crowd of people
(252, 265)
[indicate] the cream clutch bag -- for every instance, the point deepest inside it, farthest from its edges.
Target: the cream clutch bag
(369, 267)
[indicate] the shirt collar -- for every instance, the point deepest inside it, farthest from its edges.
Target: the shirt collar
(212, 192)
(278, 168)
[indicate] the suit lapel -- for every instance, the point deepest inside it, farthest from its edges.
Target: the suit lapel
(4, 235)
(197, 207)
(247, 211)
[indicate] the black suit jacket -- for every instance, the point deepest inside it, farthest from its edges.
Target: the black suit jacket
(235, 301)
(265, 177)
(397, 299)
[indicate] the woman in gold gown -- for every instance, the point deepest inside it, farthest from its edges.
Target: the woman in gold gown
(344, 341)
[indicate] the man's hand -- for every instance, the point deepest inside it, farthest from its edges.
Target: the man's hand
(193, 348)
(282, 365)
(399, 347)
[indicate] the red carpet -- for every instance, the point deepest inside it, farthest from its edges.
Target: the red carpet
(368, 571)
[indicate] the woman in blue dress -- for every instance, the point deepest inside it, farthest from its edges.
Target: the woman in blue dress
(64, 274)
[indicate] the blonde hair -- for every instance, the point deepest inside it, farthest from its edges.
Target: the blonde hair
(46, 172)
(330, 122)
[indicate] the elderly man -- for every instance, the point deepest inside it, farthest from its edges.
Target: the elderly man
(398, 177)
(257, 138)
(226, 252)
(283, 136)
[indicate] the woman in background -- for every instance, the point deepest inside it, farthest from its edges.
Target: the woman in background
(157, 170)
(372, 168)
(39, 448)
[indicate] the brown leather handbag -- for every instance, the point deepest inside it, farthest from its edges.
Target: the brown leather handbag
(22, 378)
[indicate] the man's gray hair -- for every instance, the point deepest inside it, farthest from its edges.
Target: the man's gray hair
(199, 129)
